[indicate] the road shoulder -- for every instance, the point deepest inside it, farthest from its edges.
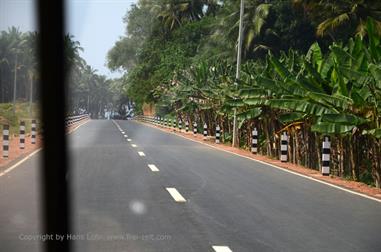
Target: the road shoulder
(353, 187)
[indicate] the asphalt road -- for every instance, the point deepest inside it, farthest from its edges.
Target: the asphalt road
(121, 204)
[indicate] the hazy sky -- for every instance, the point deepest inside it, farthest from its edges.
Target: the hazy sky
(96, 24)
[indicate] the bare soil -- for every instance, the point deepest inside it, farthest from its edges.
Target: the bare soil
(15, 153)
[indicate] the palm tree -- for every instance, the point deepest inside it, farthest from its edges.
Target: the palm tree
(173, 13)
(255, 26)
(90, 78)
(72, 49)
(31, 64)
(17, 43)
(332, 15)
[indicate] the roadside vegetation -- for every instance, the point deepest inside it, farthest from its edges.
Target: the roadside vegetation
(311, 68)
(22, 113)
(88, 91)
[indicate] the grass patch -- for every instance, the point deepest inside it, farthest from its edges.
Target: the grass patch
(7, 116)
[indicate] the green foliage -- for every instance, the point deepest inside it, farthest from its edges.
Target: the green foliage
(290, 79)
(21, 114)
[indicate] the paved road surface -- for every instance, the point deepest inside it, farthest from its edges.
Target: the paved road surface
(120, 204)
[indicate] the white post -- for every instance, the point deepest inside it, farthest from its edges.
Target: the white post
(22, 135)
(34, 131)
(195, 128)
(218, 134)
(284, 147)
(254, 141)
(325, 169)
(205, 131)
(5, 141)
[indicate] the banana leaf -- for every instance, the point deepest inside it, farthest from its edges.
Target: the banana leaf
(344, 119)
(260, 101)
(248, 115)
(291, 117)
(302, 106)
(374, 132)
(376, 73)
(331, 128)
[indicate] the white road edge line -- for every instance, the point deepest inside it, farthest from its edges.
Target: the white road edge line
(279, 168)
(221, 249)
(153, 167)
(129, 140)
(134, 145)
(175, 194)
(35, 152)
(20, 162)
(141, 153)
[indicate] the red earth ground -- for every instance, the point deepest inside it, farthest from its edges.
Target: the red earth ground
(15, 153)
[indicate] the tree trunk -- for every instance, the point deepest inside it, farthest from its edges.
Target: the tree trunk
(15, 87)
(31, 96)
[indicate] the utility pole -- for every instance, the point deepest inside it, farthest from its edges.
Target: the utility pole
(238, 75)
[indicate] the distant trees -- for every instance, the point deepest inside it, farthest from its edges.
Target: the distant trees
(19, 78)
(17, 64)
(87, 90)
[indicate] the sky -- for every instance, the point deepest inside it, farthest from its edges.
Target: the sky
(96, 24)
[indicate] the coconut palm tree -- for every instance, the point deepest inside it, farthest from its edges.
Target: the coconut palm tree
(255, 22)
(173, 13)
(17, 43)
(31, 63)
(332, 15)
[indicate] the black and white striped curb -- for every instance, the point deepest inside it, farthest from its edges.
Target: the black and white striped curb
(195, 128)
(254, 141)
(326, 156)
(218, 134)
(180, 125)
(283, 147)
(205, 131)
(34, 131)
(22, 135)
(5, 141)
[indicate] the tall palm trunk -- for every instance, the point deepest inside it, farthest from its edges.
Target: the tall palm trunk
(15, 87)
(31, 95)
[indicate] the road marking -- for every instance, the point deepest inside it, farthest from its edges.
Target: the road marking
(125, 136)
(141, 153)
(175, 194)
(134, 145)
(129, 140)
(272, 165)
(36, 151)
(20, 162)
(153, 167)
(122, 132)
(221, 249)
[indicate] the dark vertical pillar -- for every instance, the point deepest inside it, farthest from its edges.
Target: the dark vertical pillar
(55, 186)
